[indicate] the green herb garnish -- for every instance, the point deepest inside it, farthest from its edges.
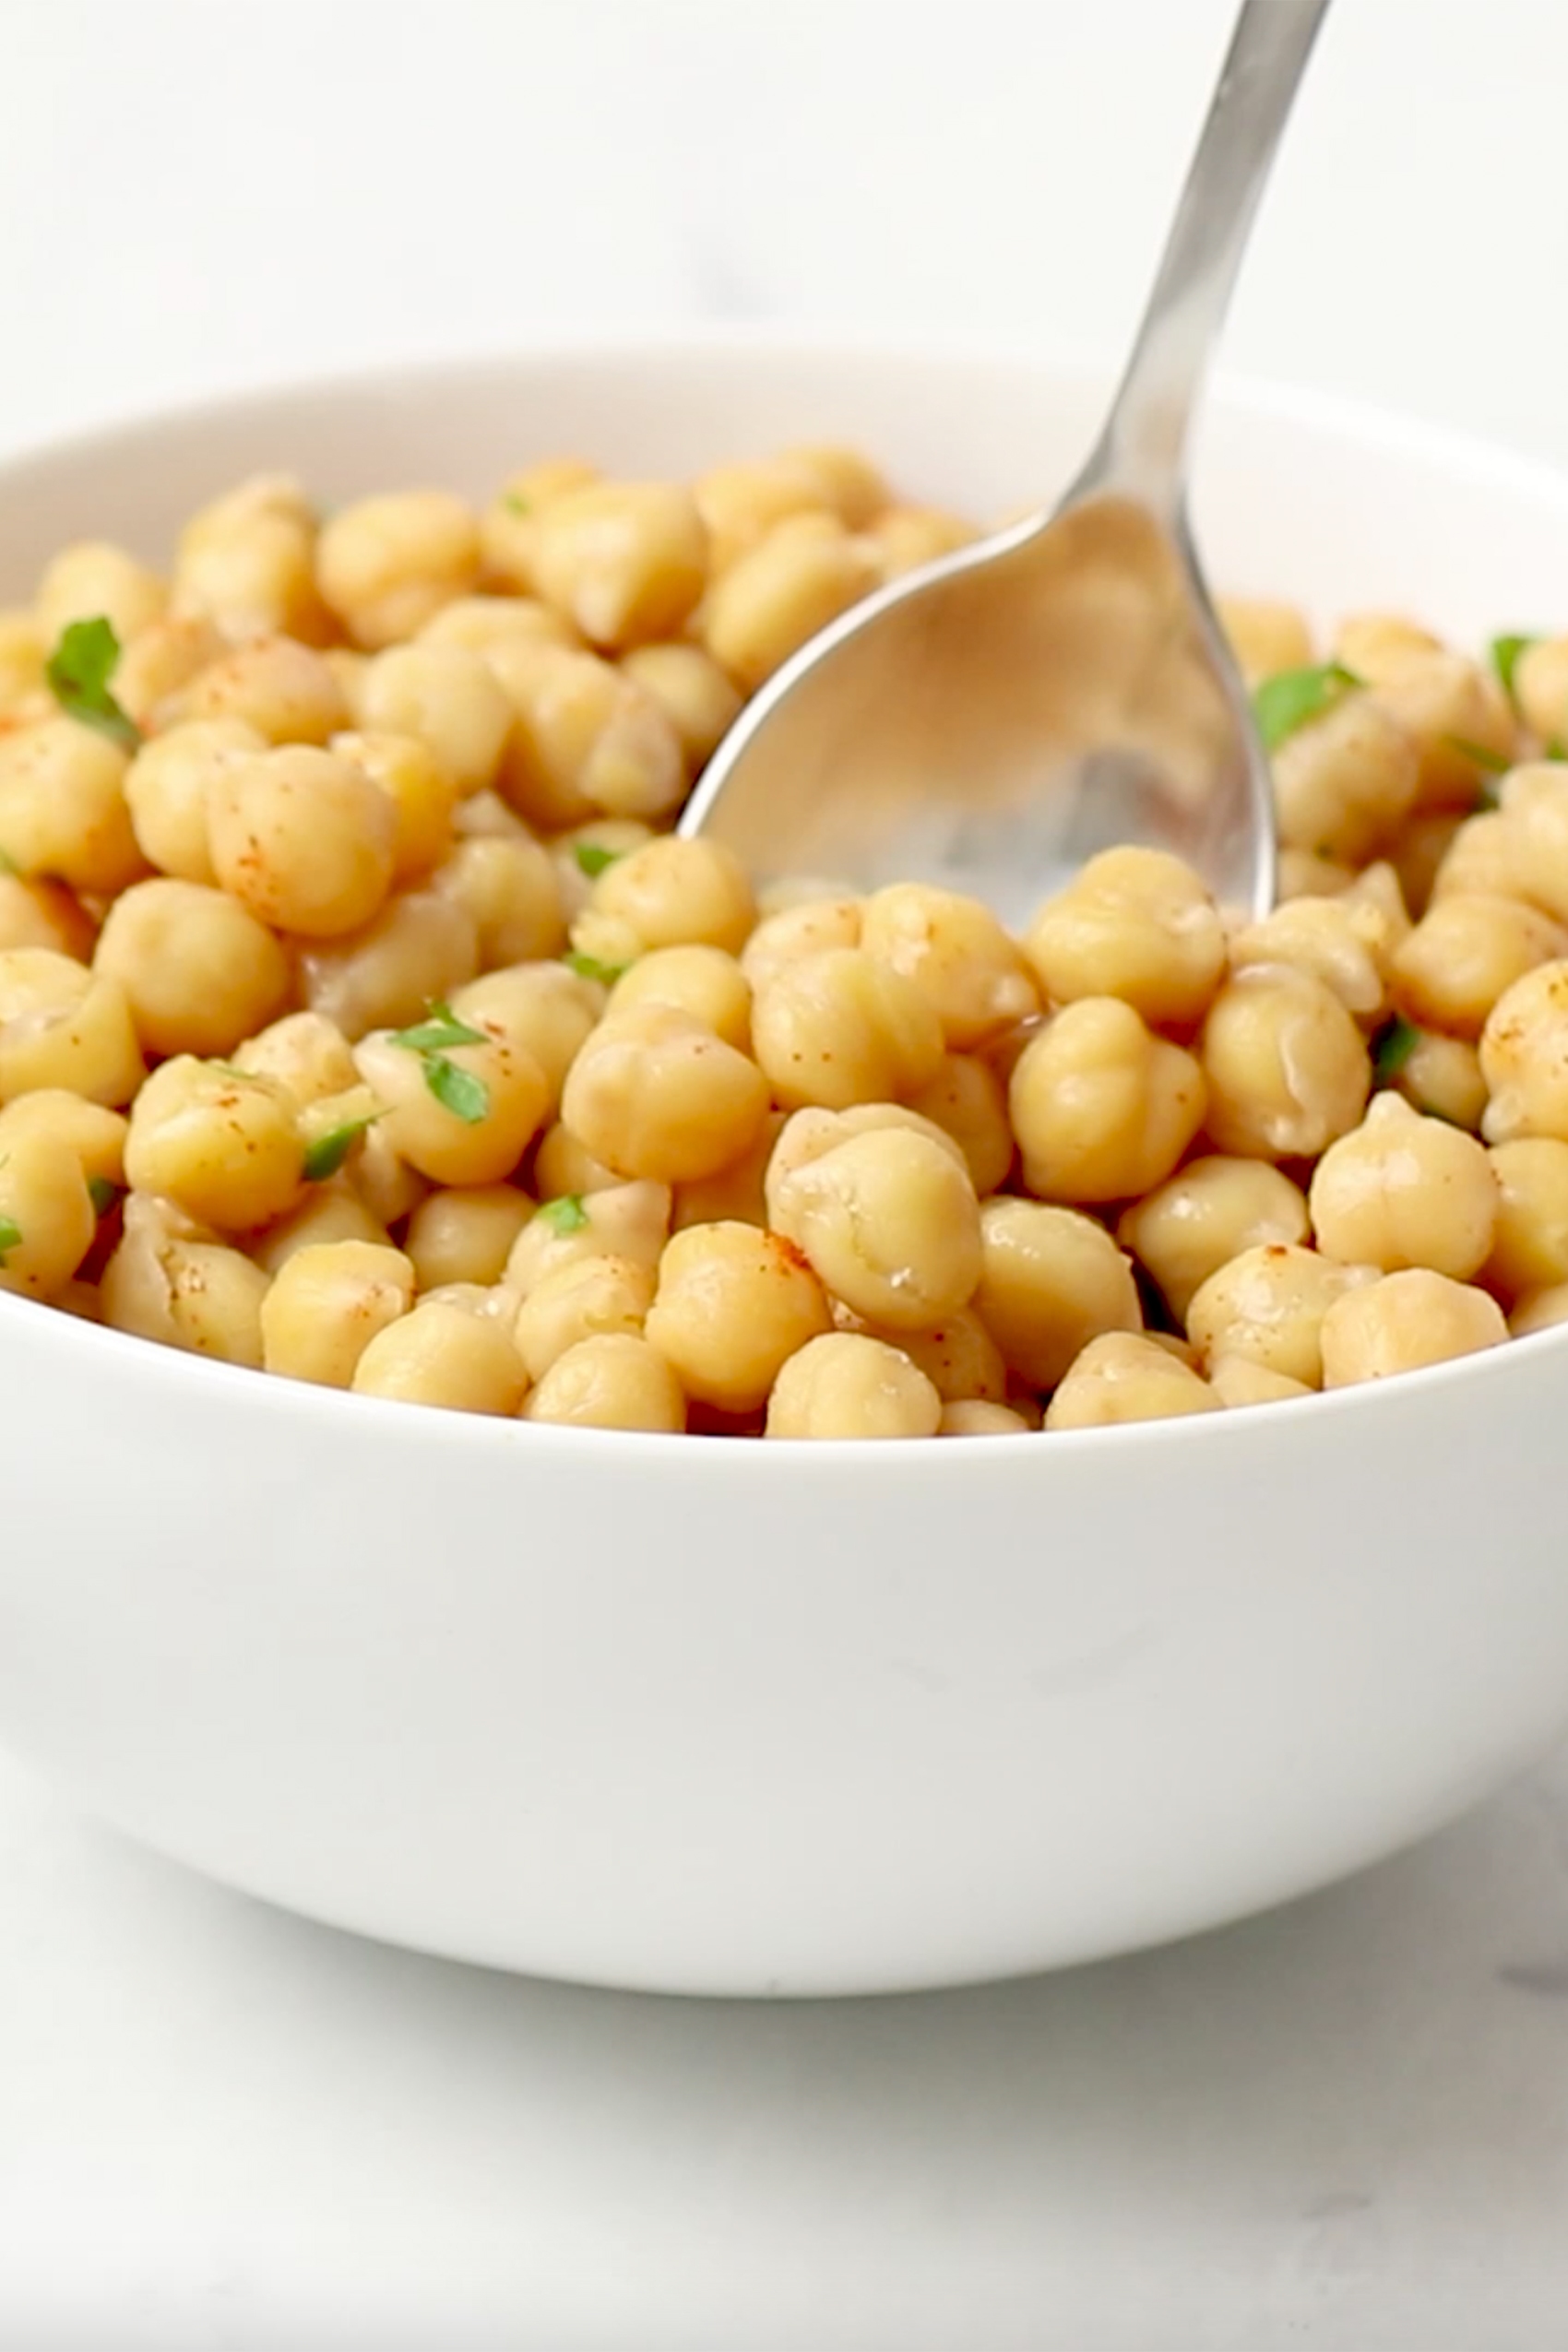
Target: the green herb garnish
(1491, 763)
(565, 1215)
(592, 857)
(7, 865)
(1393, 1046)
(104, 1195)
(1506, 653)
(459, 1091)
(78, 672)
(1295, 698)
(589, 968)
(513, 503)
(326, 1155)
(10, 1237)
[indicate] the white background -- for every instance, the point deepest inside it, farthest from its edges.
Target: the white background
(224, 2131)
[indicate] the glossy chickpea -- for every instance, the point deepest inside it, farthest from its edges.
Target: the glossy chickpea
(807, 1134)
(1102, 1109)
(328, 1212)
(1403, 1321)
(1459, 720)
(303, 838)
(1542, 1311)
(224, 1144)
(677, 894)
(439, 1354)
(704, 981)
(422, 947)
(839, 1028)
(565, 1169)
(38, 913)
(1137, 924)
(1379, 644)
(1050, 1281)
(1401, 1190)
(1323, 938)
(956, 954)
(467, 1236)
(626, 1220)
(625, 561)
(1345, 784)
(1124, 1376)
(959, 1357)
(1535, 828)
(472, 1131)
(449, 699)
(288, 694)
(157, 667)
(327, 1303)
(582, 854)
(510, 524)
(1524, 1057)
(166, 790)
(63, 811)
(1467, 951)
(656, 1094)
(693, 692)
(578, 1300)
(732, 1305)
(889, 1222)
(47, 1217)
(1238, 1380)
(200, 972)
(1442, 1076)
(478, 623)
(905, 538)
(94, 1136)
(247, 561)
(63, 1025)
(423, 794)
(846, 1385)
(1287, 1068)
(974, 1416)
(1205, 1216)
(92, 580)
(810, 927)
(172, 1282)
(792, 583)
(1268, 1304)
(969, 1102)
(739, 503)
(1266, 638)
(385, 565)
(545, 1009)
(1529, 1250)
(611, 1381)
(586, 740)
(509, 890)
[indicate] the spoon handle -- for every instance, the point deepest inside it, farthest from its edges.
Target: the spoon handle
(1143, 444)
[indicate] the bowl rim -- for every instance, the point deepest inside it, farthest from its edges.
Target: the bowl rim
(1374, 426)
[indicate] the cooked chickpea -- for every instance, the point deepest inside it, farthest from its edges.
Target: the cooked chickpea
(1524, 1055)
(47, 1218)
(303, 838)
(1287, 1069)
(95, 1137)
(423, 794)
(808, 1134)
(23, 653)
(611, 1381)
(166, 791)
(200, 972)
(959, 1357)
(625, 561)
(1124, 1376)
(544, 1008)
(704, 981)
(847, 1385)
(1535, 844)
(1238, 1380)
(889, 1222)
(809, 927)
(585, 739)
(679, 894)
(1529, 1248)
(509, 890)
(1458, 720)
(1404, 1321)
(956, 954)
(481, 1141)
(509, 523)
(63, 1025)
(1343, 785)
(764, 607)
(248, 563)
(1466, 953)
(37, 913)
(92, 580)
(625, 1220)
(656, 1094)
(1419, 852)
(327, 1304)
(467, 1236)
(975, 1417)
(222, 1144)
(905, 538)
(564, 1168)
(1050, 1281)
(1324, 937)
(286, 692)
(1542, 1311)
(385, 565)
(1401, 1190)
(439, 1354)
(969, 1102)
(1102, 1108)
(1442, 1076)
(1206, 1215)
(1540, 687)
(421, 948)
(172, 1282)
(1137, 924)
(1264, 637)
(478, 623)
(580, 1300)
(839, 1027)
(157, 667)
(449, 699)
(329, 1213)
(1268, 1304)
(693, 692)
(63, 811)
(1379, 644)
(741, 503)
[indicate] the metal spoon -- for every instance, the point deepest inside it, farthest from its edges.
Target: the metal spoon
(992, 720)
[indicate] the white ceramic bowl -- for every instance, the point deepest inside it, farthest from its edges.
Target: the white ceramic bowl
(724, 1718)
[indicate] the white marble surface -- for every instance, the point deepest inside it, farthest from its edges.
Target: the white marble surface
(222, 2130)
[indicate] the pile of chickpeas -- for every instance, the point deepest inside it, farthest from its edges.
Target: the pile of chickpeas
(362, 1022)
